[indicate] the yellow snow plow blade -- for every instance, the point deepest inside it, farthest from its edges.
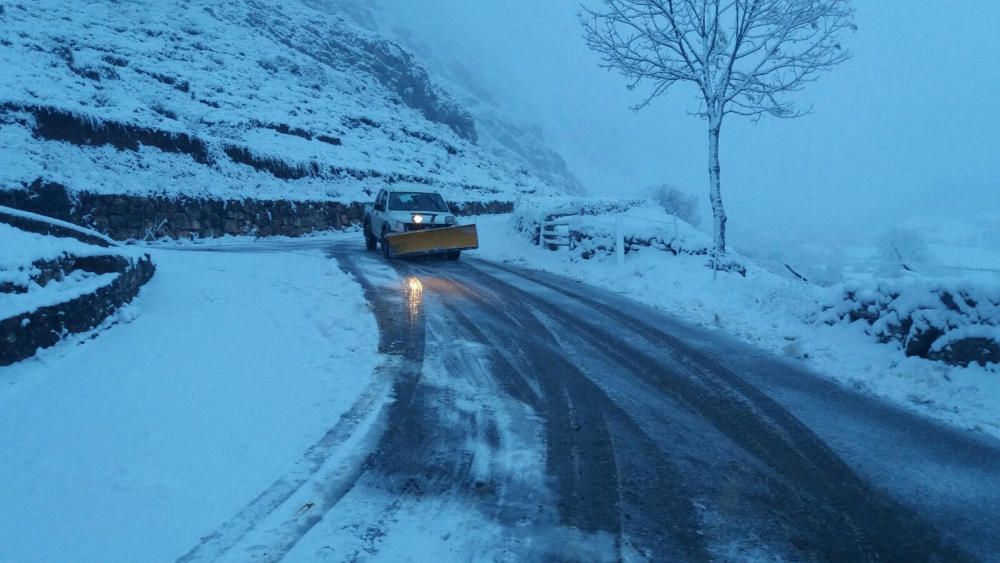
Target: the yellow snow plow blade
(432, 241)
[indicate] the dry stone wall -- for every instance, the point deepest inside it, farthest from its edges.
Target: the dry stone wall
(25, 334)
(141, 217)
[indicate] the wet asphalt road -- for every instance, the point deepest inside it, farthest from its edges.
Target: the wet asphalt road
(660, 441)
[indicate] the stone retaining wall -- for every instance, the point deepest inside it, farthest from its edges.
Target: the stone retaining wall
(25, 334)
(124, 217)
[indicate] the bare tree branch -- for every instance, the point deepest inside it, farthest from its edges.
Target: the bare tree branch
(744, 56)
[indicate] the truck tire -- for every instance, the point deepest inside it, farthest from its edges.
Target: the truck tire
(371, 243)
(385, 246)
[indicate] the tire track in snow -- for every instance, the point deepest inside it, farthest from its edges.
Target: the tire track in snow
(604, 467)
(457, 447)
(403, 343)
(833, 510)
(610, 472)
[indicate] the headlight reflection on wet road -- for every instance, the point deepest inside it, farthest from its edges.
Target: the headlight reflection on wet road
(414, 292)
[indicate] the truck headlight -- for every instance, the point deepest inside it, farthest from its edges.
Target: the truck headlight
(450, 219)
(418, 219)
(398, 226)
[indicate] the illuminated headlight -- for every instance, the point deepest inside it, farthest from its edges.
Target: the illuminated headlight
(450, 220)
(418, 219)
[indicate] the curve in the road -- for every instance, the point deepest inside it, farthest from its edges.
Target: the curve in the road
(647, 439)
(825, 507)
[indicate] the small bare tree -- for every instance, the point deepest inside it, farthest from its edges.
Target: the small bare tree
(743, 56)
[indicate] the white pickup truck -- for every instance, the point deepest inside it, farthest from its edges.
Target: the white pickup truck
(409, 222)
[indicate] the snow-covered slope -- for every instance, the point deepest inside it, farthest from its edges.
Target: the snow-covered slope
(278, 100)
(507, 135)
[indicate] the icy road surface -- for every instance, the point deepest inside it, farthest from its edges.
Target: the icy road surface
(537, 418)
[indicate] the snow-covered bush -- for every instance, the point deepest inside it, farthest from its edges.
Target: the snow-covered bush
(677, 203)
(951, 321)
(642, 227)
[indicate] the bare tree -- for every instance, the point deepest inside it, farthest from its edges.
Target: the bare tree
(744, 56)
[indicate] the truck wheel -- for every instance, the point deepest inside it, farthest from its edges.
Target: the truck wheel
(453, 255)
(385, 245)
(371, 243)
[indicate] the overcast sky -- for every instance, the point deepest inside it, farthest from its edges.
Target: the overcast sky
(907, 127)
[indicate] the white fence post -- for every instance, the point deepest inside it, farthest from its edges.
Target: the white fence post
(619, 241)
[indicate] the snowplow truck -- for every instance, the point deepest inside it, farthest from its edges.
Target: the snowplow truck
(413, 223)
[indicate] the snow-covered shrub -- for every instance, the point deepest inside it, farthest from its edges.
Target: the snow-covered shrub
(677, 203)
(954, 322)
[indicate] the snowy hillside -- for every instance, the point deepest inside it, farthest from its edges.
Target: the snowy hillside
(240, 99)
(504, 131)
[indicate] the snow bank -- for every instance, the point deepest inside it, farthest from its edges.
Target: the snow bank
(950, 320)
(70, 286)
(19, 247)
(24, 257)
(41, 224)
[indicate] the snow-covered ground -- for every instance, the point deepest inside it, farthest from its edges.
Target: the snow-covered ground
(130, 443)
(775, 312)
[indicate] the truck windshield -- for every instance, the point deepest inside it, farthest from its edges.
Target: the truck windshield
(417, 201)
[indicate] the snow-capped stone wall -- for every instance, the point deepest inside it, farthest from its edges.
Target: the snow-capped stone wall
(139, 217)
(57, 280)
(25, 333)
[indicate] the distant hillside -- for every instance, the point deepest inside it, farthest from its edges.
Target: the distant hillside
(224, 100)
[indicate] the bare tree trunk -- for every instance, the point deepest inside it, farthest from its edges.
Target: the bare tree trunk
(715, 186)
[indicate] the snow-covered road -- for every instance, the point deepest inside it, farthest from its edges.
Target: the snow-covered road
(539, 418)
(510, 415)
